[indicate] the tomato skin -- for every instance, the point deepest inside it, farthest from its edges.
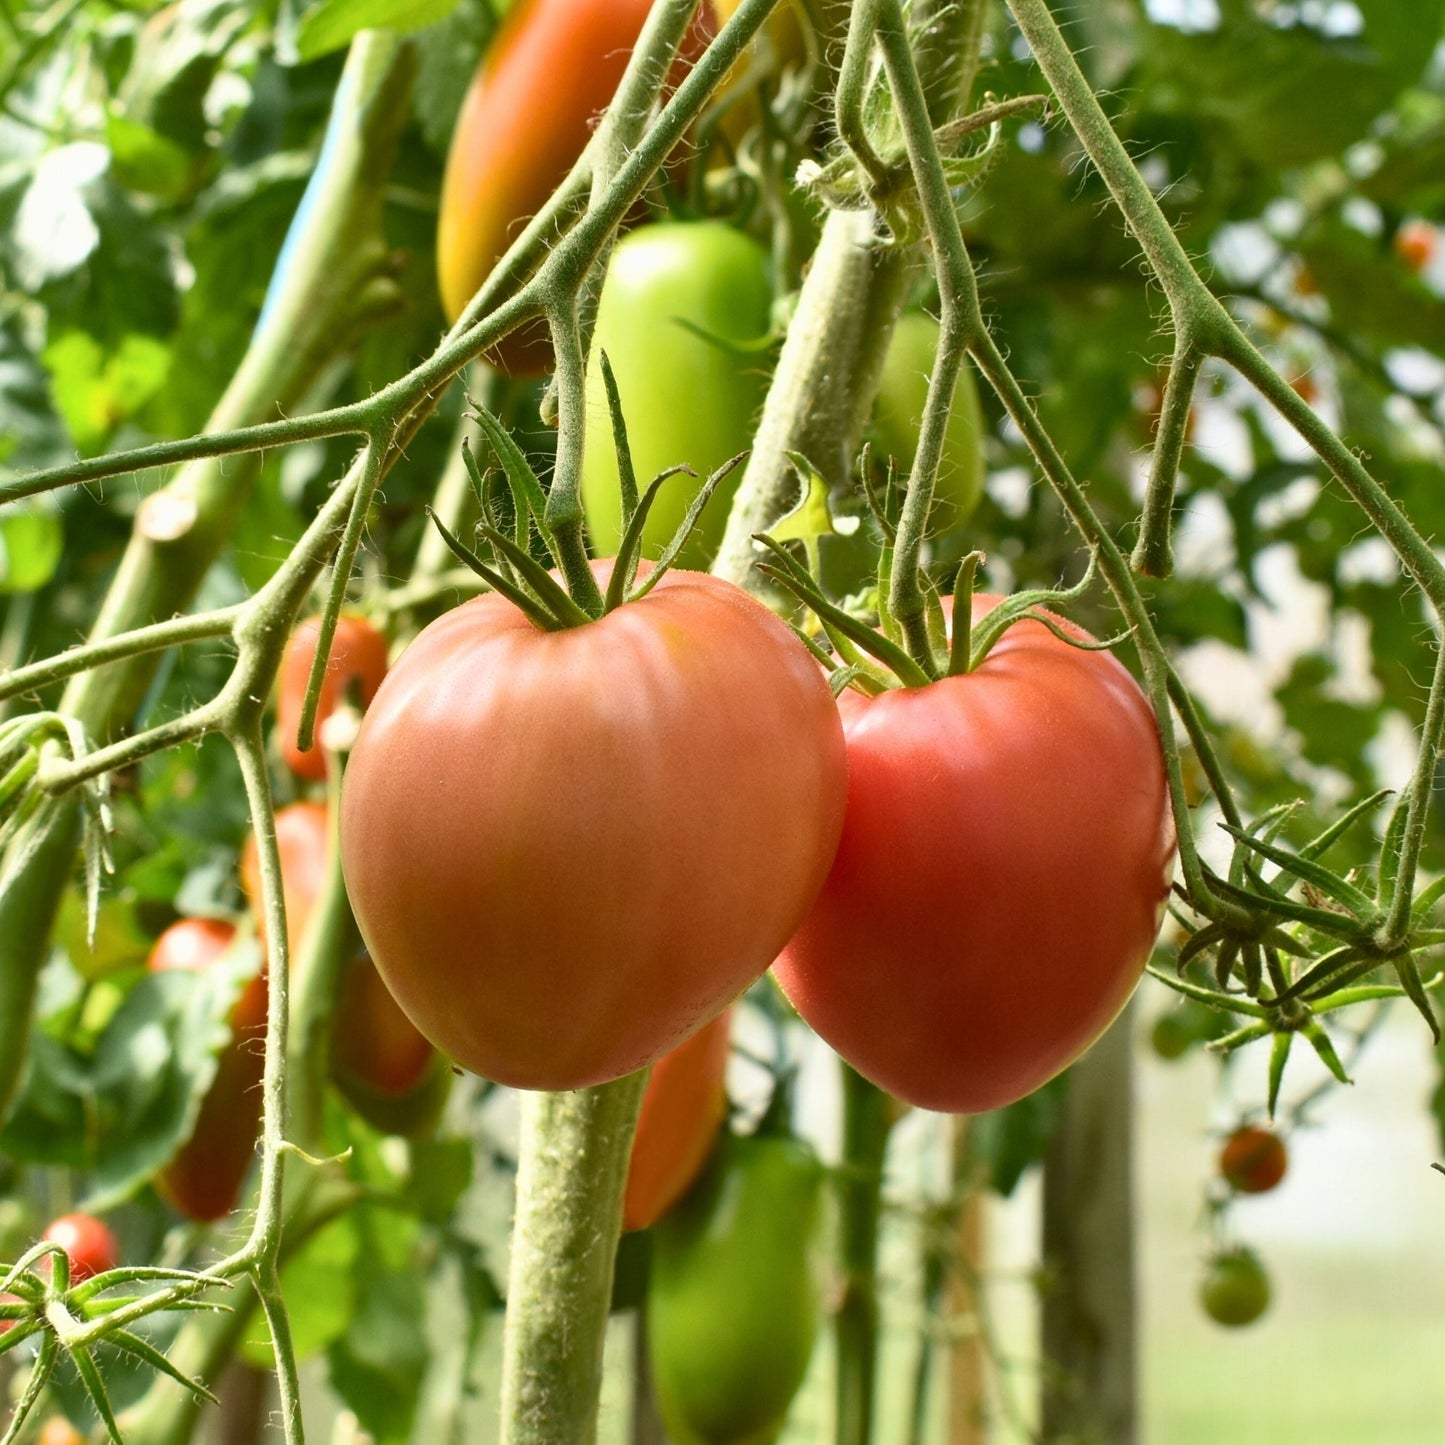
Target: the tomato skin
(509, 151)
(735, 1297)
(92, 1248)
(204, 1178)
(374, 1043)
(1253, 1160)
(1003, 868)
(358, 658)
(301, 842)
(898, 418)
(683, 1108)
(685, 399)
(1235, 1290)
(568, 850)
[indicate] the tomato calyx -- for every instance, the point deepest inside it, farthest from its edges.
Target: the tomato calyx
(875, 659)
(515, 503)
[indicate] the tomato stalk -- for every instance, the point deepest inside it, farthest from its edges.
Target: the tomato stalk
(571, 1173)
(866, 1126)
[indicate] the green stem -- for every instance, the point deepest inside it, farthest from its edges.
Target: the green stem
(1154, 553)
(570, 1177)
(826, 379)
(855, 1326)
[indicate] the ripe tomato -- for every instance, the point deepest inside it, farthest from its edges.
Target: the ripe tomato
(1253, 1160)
(1004, 863)
(568, 850)
(358, 660)
(898, 416)
(301, 840)
(682, 1110)
(511, 149)
(735, 1297)
(1235, 1289)
(89, 1243)
(685, 398)
(374, 1043)
(377, 1055)
(204, 1178)
(1416, 243)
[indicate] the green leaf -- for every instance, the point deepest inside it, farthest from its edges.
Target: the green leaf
(32, 540)
(332, 24)
(322, 1285)
(1008, 1141)
(95, 391)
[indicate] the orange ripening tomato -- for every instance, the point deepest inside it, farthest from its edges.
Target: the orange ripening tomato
(552, 68)
(301, 839)
(57, 1430)
(357, 661)
(1006, 856)
(373, 1043)
(682, 1110)
(568, 850)
(204, 1178)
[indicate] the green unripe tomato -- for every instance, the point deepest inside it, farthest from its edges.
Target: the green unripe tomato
(686, 397)
(1235, 1289)
(898, 416)
(735, 1297)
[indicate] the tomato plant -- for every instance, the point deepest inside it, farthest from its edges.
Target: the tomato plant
(203, 1180)
(1253, 1160)
(682, 1110)
(928, 961)
(1235, 1289)
(357, 665)
(567, 850)
(735, 1298)
(508, 153)
(88, 1242)
(682, 311)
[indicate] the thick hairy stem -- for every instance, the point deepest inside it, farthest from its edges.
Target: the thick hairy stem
(855, 1326)
(826, 379)
(570, 1177)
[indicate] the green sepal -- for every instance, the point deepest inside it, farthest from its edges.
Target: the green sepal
(1012, 609)
(629, 550)
(1239, 1038)
(626, 472)
(94, 1383)
(1326, 1050)
(1392, 843)
(498, 581)
(1336, 830)
(1225, 1002)
(670, 553)
(790, 574)
(1292, 864)
(532, 574)
(1278, 1058)
(1409, 976)
(1224, 960)
(1251, 959)
(147, 1354)
(526, 488)
(960, 653)
(1326, 971)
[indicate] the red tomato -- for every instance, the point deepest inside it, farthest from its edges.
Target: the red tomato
(568, 850)
(89, 1243)
(301, 840)
(527, 117)
(204, 1178)
(374, 1043)
(358, 660)
(1416, 243)
(1253, 1160)
(1004, 863)
(682, 1110)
